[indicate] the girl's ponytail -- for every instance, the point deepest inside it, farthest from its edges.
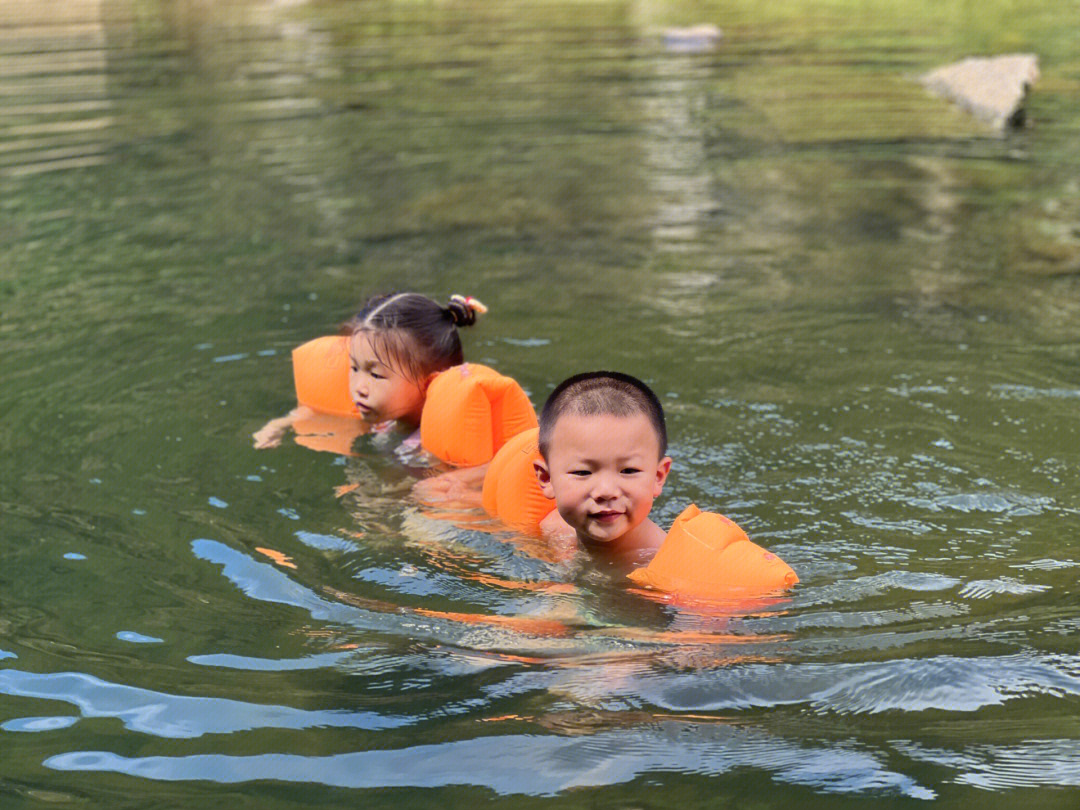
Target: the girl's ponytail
(414, 333)
(463, 309)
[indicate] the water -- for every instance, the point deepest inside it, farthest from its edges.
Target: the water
(858, 306)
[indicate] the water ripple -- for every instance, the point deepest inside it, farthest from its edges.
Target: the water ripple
(164, 715)
(1011, 504)
(854, 590)
(34, 724)
(909, 526)
(264, 582)
(326, 542)
(916, 611)
(138, 638)
(1046, 565)
(1022, 392)
(944, 683)
(984, 588)
(245, 662)
(1034, 763)
(538, 765)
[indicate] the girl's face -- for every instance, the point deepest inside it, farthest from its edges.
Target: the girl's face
(381, 392)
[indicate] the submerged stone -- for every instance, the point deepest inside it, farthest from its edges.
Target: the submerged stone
(991, 88)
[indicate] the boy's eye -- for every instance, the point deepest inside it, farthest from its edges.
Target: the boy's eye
(580, 473)
(630, 470)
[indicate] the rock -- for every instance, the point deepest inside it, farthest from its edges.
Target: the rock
(992, 89)
(694, 39)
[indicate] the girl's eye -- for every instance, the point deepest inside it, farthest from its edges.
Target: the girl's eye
(378, 376)
(353, 367)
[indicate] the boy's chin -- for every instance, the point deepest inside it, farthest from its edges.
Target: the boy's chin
(592, 537)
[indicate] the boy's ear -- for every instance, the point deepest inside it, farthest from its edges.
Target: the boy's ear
(543, 476)
(662, 470)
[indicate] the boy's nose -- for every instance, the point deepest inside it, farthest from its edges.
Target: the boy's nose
(604, 488)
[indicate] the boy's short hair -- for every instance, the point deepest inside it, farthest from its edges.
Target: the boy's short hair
(601, 393)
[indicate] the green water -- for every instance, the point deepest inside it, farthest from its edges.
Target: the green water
(859, 307)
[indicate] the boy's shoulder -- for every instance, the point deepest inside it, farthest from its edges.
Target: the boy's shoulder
(647, 536)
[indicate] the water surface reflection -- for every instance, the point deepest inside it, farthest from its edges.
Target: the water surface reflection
(857, 306)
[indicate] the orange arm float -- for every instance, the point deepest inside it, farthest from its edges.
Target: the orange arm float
(321, 374)
(511, 492)
(470, 412)
(707, 556)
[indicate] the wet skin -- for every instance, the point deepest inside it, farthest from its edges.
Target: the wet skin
(604, 473)
(381, 392)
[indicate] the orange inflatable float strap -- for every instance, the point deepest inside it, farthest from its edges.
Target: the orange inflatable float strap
(511, 492)
(470, 411)
(707, 556)
(321, 375)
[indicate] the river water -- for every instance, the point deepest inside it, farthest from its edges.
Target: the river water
(859, 306)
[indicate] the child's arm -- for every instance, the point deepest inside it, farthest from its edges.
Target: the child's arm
(271, 434)
(462, 486)
(314, 430)
(554, 528)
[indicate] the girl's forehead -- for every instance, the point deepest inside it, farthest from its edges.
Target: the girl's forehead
(362, 346)
(380, 347)
(365, 349)
(377, 346)
(362, 349)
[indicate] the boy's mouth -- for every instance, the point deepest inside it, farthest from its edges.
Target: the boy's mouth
(606, 516)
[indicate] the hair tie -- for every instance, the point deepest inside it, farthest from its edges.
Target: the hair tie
(463, 309)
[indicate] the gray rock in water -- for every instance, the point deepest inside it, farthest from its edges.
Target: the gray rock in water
(993, 89)
(694, 39)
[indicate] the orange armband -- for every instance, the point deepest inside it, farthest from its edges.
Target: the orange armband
(321, 375)
(511, 492)
(470, 411)
(707, 556)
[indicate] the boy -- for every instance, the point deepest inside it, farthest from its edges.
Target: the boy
(602, 445)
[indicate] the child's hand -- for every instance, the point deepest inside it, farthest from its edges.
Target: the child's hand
(435, 490)
(461, 487)
(443, 490)
(270, 434)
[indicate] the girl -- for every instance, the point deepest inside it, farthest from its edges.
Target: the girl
(396, 345)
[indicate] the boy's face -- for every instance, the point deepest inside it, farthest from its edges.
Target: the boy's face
(604, 473)
(380, 392)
